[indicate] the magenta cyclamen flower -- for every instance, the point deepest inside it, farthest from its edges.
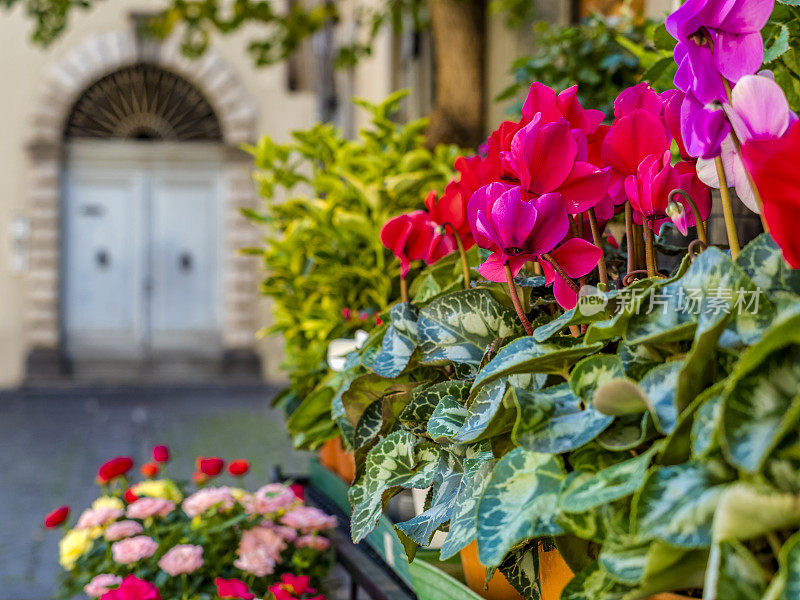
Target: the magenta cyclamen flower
(717, 39)
(514, 230)
(649, 189)
(552, 158)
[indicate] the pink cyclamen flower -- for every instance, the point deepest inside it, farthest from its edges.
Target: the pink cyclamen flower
(699, 192)
(270, 499)
(564, 105)
(122, 529)
(548, 158)
(149, 507)
(94, 517)
(100, 584)
(208, 498)
(577, 258)
(630, 140)
(134, 549)
(259, 551)
(649, 189)
(314, 542)
(639, 96)
(308, 519)
(717, 39)
(514, 230)
(183, 558)
(758, 111)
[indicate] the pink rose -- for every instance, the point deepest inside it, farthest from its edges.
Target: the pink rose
(287, 533)
(308, 519)
(133, 588)
(259, 551)
(313, 541)
(134, 549)
(94, 517)
(148, 507)
(101, 584)
(123, 529)
(203, 500)
(184, 558)
(270, 499)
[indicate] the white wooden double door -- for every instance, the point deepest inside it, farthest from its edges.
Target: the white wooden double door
(141, 251)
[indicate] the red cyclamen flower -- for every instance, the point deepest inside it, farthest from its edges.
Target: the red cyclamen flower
(161, 453)
(697, 190)
(210, 465)
(577, 258)
(233, 588)
(415, 236)
(56, 517)
(133, 588)
(649, 189)
(238, 467)
(113, 468)
(149, 470)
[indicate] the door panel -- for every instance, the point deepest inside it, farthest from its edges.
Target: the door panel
(183, 263)
(103, 275)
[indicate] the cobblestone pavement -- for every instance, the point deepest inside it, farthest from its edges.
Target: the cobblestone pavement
(51, 443)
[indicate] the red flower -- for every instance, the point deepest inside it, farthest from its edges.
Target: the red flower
(378, 321)
(299, 491)
(210, 465)
(161, 454)
(115, 467)
(238, 467)
(346, 313)
(56, 517)
(149, 470)
(772, 164)
(199, 478)
(649, 189)
(133, 588)
(233, 588)
(291, 586)
(129, 496)
(415, 236)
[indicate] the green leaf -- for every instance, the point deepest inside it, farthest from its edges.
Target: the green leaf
(763, 263)
(399, 342)
(627, 433)
(748, 510)
(424, 399)
(705, 428)
(551, 421)
(422, 527)
(607, 485)
(594, 583)
(593, 372)
(786, 583)
(526, 355)
(589, 309)
(778, 44)
(733, 572)
(521, 568)
(364, 390)
(620, 397)
(446, 420)
(519, 503)
(659, 388)
(677, 503)
(458, 327)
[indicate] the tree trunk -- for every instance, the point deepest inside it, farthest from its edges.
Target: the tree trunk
(459, 39)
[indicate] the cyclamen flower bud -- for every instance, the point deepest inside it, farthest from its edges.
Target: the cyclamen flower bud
(674, 210)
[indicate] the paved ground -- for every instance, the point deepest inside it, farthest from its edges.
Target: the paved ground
(51, 443)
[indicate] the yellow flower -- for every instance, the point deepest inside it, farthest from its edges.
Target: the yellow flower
(158, 488)
(75, 544)
(197, 522)
(238, 493)
(108, 502)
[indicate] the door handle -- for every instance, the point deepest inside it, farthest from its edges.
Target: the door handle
(102, 258)
(185, 262)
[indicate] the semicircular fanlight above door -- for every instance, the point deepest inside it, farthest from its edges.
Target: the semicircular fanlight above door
(143, 102)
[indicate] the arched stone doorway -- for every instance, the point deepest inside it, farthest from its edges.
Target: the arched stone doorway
(134, 133)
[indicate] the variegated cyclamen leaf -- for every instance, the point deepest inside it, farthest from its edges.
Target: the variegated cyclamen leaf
(594, 583)
(424, 399)
(670, 569)
(705, 428)
(677, 503)
(636, 360)
(748, 510)
(592, 372)
(364, 390)
(659, 388)
(625, 564)
(521, 568)
(621, 308)
(551, 421)
(399, 342)
(491, 411)
(459, 326)
(627, 433)
(609, 484)
(589, 309)
(519, 503)
(395, 462)
(762, 261)
(422, 527)
(733, 572)
(526, 355)
(464, 519)
(620, 397)
(446, 420)
(786, 583)
(369, 425)
(761, 408)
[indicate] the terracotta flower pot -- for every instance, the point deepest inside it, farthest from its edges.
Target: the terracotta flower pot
(345, 463)
(328, 456)
(475, 576)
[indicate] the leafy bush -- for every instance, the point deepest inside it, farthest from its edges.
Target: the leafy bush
(327, 271)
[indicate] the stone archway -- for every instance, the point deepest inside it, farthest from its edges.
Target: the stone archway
(63, 84)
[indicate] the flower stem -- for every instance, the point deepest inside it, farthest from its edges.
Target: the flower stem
(403, 289)
(560, 270)
(649, 252)
(601, 266)
(463, 254)
(727, 211)
(738, 146)
(641, 255)
(698, 221)
(629, 237)
(512, 291)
